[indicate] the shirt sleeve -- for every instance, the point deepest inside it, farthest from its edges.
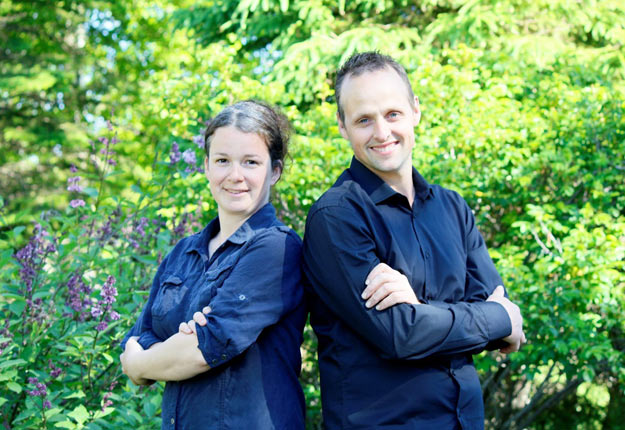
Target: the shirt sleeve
(339, 253)
(264, 285)
(143, 326)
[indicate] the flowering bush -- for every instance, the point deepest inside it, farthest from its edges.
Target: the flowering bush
(74, 288)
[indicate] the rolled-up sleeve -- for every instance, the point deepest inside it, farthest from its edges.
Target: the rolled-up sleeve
(263, 286)
(143, 326)
(339, 253)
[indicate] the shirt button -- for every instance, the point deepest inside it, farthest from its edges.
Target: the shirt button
(172, 421)
(214, 361)
(224, 356)
(452, 372)
(242, 297)
(427, 254)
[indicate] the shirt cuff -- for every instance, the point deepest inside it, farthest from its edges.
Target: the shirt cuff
(147, 339)
(499, 325)
(214, 356)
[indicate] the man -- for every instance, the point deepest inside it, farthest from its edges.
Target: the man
(403, 290)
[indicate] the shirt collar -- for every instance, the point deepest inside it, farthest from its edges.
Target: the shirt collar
(379, 190)
(261, 218)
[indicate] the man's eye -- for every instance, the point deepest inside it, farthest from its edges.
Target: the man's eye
(393, 114)
(363, 120)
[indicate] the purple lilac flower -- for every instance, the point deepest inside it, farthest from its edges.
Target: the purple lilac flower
(73, 169)
(30, 256)
(174, 155)
(77, 203)
(47, 404)
(199, 141)
(40, 388)
(114, 316)
(109, 291)
(96, 310)
(5, 332)
(102, 325)
(54, 371)
(143, 222)
(189, 157)
(73, 184)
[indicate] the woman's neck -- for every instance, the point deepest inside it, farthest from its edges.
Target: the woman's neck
(228, 224)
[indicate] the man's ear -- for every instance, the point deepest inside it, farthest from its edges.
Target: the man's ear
(341, 126)
(206, 167)
(417, 111)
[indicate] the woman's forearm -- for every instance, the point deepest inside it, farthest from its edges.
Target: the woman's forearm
(176, 359)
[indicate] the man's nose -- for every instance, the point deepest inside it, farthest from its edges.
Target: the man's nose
(381, 130)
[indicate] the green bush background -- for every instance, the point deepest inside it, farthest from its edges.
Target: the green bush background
(523, 113)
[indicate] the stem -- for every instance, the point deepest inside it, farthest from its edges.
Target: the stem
(43, 414)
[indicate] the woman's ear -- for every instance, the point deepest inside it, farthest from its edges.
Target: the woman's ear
(276, 172)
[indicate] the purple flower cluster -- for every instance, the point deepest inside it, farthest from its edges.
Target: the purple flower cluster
(106, 401)
(78, 295)
(39, 391)
(199, 141)
(174, 155)
(54, 371)
(5, 332)
(77, 203)
(143, 222)
(72, 184)
(188, 156)
(31, 256)
(103, 307)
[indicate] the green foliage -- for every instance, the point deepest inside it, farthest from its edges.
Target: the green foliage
(523, 114)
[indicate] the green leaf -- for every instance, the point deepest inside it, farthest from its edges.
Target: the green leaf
(11, 363)
(66, 425)
(80, 414)
(75, 395)
(14, 386)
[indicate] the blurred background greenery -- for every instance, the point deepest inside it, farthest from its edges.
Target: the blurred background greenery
(523, 107)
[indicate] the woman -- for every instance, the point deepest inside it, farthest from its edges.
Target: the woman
(235, 364)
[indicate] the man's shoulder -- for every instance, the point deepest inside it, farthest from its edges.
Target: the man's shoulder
(345, 193)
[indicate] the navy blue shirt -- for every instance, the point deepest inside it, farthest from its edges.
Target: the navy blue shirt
(253, 333)
(409, 366)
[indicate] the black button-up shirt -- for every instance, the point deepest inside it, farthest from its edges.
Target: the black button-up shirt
(409, 366)
(253, 333)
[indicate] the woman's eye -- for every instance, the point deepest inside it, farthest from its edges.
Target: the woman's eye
(252, 162)
(221, 161)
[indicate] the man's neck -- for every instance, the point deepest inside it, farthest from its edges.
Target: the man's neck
(402, 183)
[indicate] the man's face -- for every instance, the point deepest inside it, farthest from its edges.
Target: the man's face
(379, 122)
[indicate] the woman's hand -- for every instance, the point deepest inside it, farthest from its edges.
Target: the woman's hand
(198, 318)
(130, 359)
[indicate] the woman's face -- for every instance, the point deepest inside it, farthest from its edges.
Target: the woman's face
(239, 172)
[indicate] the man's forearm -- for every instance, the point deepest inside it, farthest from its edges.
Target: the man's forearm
(176, 359)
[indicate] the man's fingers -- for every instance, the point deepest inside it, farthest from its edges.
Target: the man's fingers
(380, 268)
(374, 286)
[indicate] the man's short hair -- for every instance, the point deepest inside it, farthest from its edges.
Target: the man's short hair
(370, 61)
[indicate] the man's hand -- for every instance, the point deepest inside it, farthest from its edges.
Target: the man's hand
(387, 287)
(129, 359)
(198, 318)
(517, 336)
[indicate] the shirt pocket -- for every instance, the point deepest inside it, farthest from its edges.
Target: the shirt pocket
(170, 297)
(208, 285)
